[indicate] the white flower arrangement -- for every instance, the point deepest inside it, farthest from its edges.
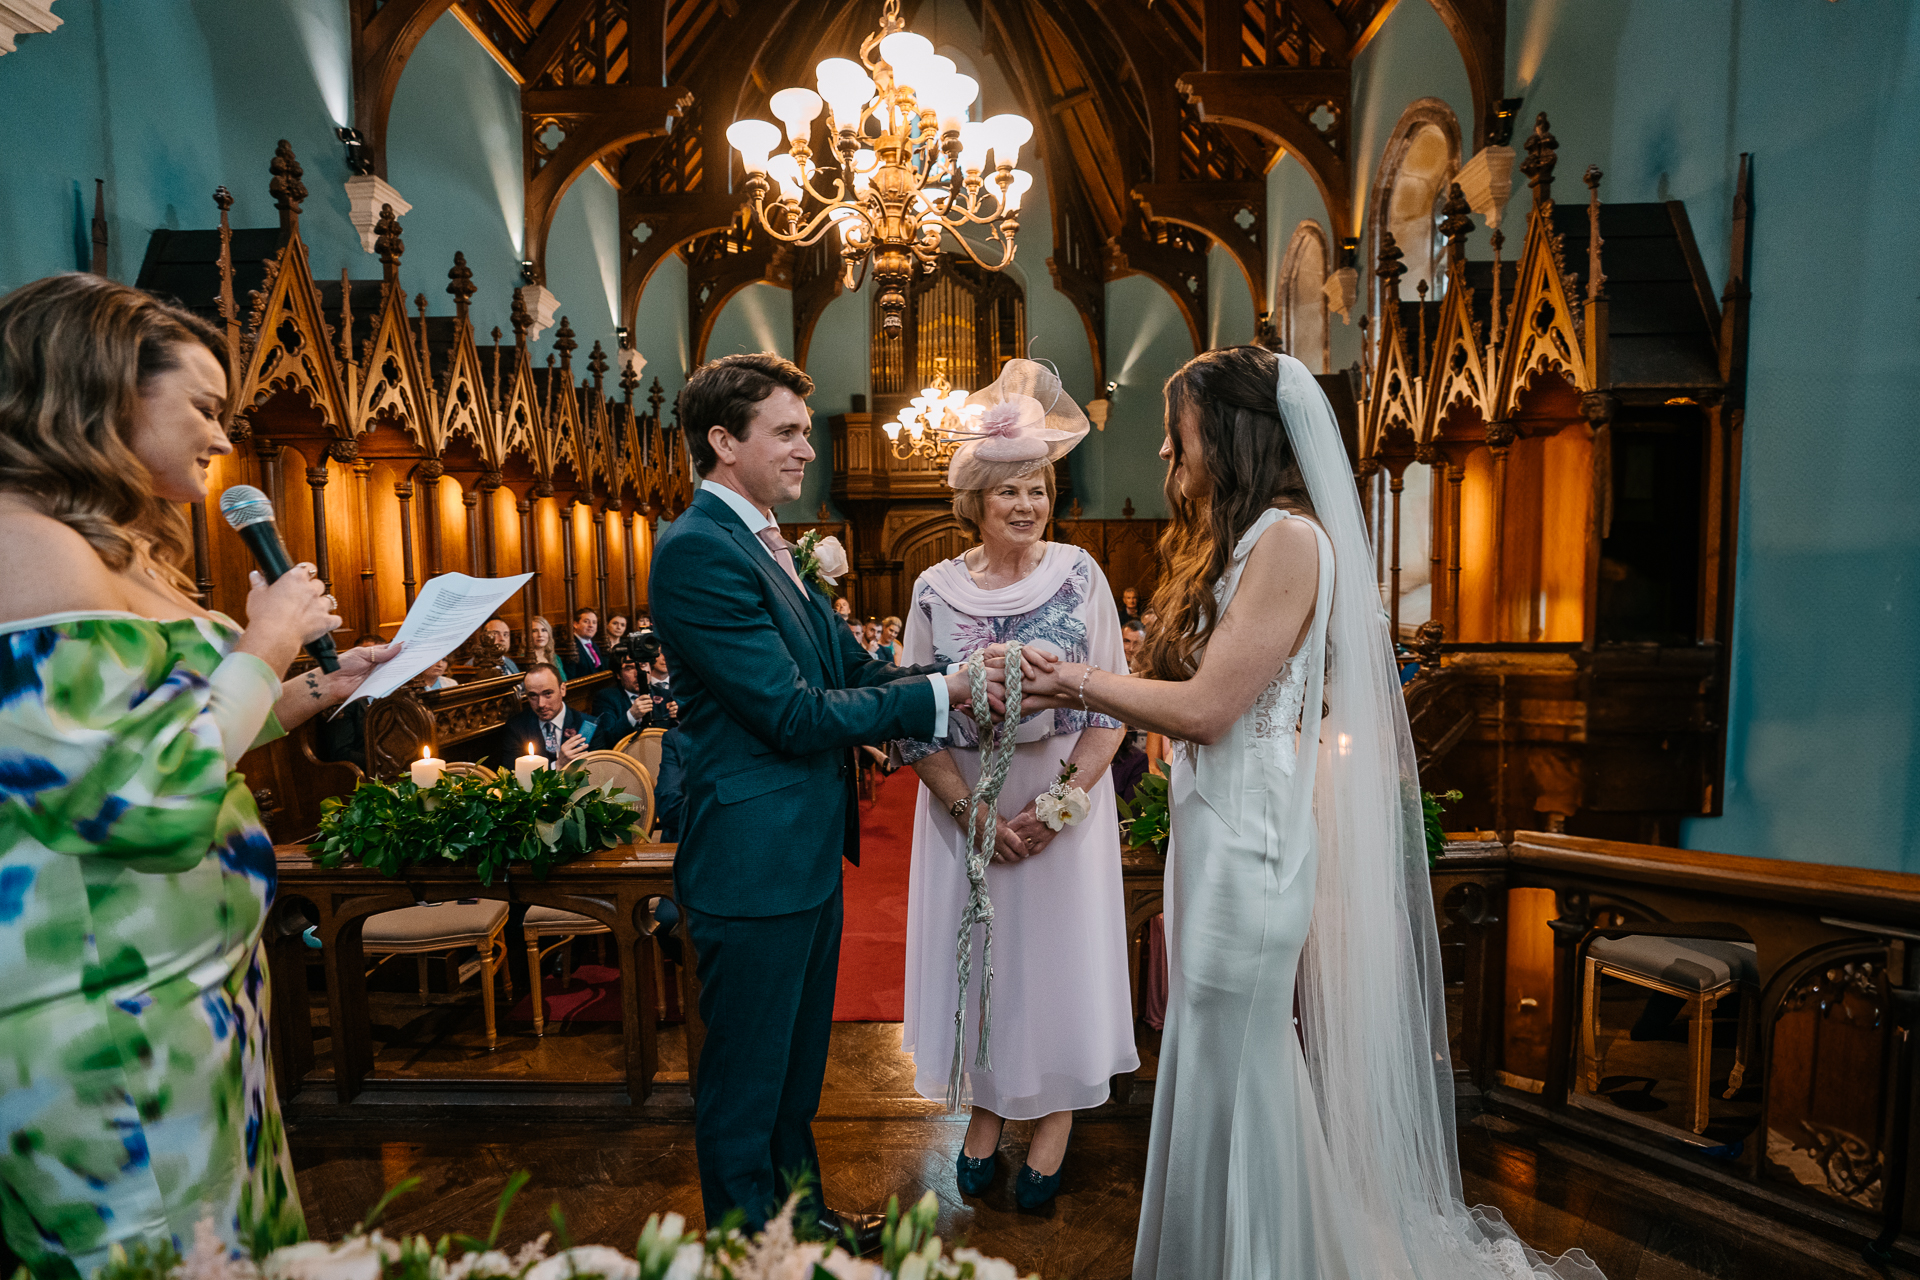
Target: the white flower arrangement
(1062, 804)
(665, 1251)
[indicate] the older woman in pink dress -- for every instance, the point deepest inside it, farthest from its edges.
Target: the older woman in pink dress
(1062, 1023)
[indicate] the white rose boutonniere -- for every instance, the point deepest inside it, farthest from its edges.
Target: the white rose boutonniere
(1062, 804)
(821, 561)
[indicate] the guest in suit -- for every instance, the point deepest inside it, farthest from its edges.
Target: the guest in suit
(501, 635)
(774, 695)
(1132, 636)
(627, 706)
(653, 664)
(555, 729)
(588, 657)
(1130, 605)
(669, 789)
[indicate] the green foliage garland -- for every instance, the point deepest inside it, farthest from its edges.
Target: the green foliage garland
(487, 825)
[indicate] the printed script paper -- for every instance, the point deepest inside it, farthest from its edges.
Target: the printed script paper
(448, 609)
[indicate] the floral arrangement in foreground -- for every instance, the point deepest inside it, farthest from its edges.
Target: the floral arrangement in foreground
(488, 824)
(1145, 819)
(665, 1251)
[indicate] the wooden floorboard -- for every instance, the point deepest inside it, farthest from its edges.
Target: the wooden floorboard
(877, 1139)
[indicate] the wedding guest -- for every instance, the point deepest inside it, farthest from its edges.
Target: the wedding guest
(1062, 1013)
(549, 727)
(628, 705)
(1132, 636)
(137, 877)
(1130, 605)
(436, 677)
(870, 636)
(616, 631)
(663, 710)
(843, 607)
(540, 647)
(500, 635)
(587, 656)
(889, 650)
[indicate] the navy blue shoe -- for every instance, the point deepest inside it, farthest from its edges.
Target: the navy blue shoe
(974, 1176)
(1033, 1190)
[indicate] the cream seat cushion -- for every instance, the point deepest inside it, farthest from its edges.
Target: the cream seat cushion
(449, 923)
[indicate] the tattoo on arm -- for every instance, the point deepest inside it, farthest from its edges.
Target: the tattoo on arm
(313, 687)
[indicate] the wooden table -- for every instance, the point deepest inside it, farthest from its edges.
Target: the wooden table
(612, 888)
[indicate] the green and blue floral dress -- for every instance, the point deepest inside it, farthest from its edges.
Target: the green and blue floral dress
(136, 1094)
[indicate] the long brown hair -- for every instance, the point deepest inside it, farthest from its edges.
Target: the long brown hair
(1248, 464)
(75, 353)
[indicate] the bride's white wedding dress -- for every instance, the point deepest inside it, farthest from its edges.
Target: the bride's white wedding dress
(1303, 1124)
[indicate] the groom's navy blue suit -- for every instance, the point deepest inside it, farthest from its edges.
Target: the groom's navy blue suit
(774, 694)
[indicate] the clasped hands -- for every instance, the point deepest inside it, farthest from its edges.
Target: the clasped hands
(1047, 681)
(1020, 836)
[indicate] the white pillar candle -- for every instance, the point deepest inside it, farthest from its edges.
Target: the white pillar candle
(526, 766)
(426, 770)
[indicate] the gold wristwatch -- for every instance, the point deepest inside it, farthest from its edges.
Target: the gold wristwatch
(958, 808)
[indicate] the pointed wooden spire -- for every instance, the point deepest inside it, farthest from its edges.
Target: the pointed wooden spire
(628, 381)
(522, 320)
(286, 188)
(1388, 271)
(387, 243)
(346, 318)
(1456, 227)
(597, 366)
(460, 285)
(1596, 278)
(1542, 154)
(565, 343)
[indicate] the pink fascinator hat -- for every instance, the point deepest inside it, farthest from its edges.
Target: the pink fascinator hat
(1020, 422)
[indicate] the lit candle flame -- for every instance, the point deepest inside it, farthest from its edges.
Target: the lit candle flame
(426, 752)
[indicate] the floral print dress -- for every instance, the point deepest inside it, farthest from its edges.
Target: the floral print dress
(135, 879)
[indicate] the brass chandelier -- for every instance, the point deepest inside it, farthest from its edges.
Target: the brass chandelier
(911, 165)
(933, 423)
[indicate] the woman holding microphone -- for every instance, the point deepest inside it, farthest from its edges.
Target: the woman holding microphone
(135, 877)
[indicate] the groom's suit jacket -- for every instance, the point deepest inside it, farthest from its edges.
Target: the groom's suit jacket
(774, 693)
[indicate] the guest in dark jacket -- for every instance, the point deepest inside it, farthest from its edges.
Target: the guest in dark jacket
(664, 712)
(588, 657)
(554, 729)
(627, 706)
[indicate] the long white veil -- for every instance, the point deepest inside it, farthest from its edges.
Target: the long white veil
(1370, 994)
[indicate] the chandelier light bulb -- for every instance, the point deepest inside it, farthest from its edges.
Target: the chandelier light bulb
(1007, 134)
(863, 166)
(753, 139)
(950, 96)
(1016, 190)
(907, 54)
(798, 109)
(786, 171)
(847, 89)
(975, 141)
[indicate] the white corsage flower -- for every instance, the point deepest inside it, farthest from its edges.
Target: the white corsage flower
(1062, 805)
(689, 1261)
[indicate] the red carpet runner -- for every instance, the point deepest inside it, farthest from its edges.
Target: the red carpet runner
(873, 946)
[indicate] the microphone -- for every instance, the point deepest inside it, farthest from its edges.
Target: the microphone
(251, 515)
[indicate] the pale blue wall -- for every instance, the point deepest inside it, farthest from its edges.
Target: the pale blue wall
(168, 99)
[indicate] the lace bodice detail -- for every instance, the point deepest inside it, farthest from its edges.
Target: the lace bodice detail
(1274, 721)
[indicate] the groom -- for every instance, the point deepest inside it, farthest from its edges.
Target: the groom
(774, 695)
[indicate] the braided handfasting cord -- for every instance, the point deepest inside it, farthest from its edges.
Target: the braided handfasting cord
(996, 755)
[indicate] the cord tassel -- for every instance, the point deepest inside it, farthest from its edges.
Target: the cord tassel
(996, 756)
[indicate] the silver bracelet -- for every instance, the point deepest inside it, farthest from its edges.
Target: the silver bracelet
(1086, 676)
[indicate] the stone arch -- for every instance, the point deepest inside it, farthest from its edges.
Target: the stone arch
(1421, 157)
(1304, 332)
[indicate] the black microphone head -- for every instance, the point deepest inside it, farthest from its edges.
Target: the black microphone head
(243, 505)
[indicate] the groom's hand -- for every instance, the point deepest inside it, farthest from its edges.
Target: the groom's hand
(960, 694)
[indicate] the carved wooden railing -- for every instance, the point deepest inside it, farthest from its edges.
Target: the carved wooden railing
(1828, 1090)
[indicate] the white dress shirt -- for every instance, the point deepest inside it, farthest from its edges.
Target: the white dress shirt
(755, 519)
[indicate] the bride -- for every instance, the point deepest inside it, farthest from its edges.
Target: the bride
(1296, 876)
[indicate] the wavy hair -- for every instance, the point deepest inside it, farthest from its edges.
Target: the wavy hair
(76, 353)
(1247, 464)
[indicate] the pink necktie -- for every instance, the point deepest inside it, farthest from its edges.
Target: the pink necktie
(783, 552)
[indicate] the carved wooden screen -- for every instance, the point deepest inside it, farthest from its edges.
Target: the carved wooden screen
(960, 318)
